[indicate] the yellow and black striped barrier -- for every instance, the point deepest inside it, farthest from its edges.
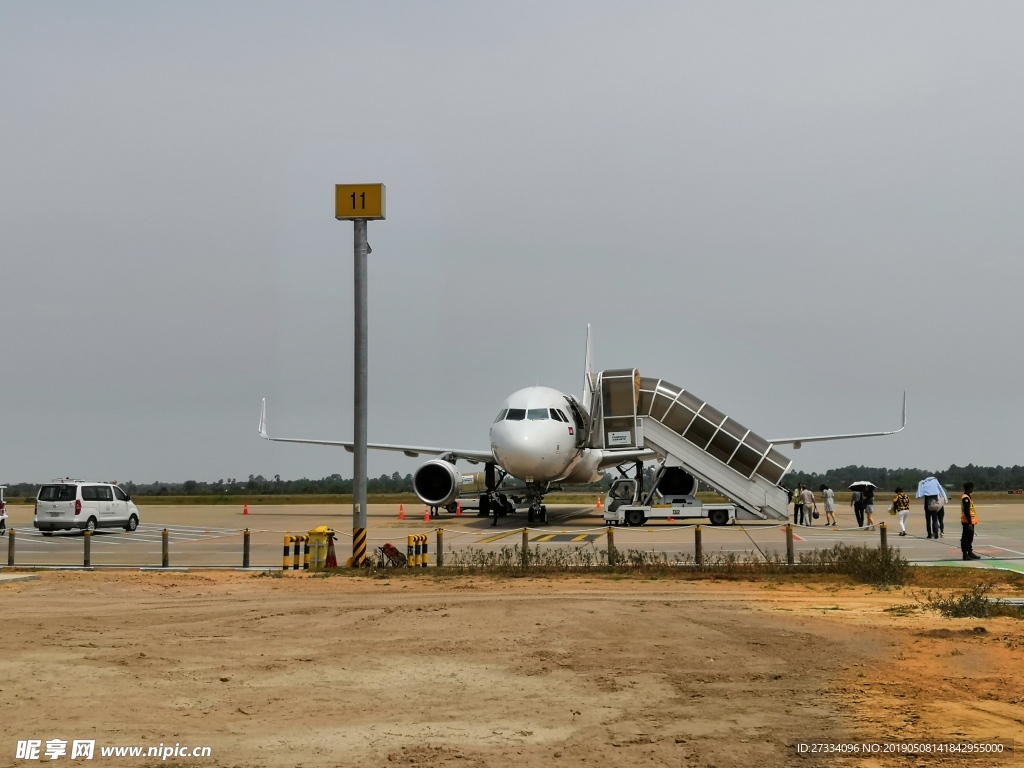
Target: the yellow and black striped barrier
(300, 552)
(358, 547)
(417, 550)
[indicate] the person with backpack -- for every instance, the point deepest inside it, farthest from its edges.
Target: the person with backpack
(934, 498)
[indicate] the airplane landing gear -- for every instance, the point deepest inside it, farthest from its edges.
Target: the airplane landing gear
(538, 512)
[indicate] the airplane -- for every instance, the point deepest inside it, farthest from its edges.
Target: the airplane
(541, 436)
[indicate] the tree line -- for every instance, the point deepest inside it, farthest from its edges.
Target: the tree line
(998, 478)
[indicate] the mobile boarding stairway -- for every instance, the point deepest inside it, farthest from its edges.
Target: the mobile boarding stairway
(643, 413)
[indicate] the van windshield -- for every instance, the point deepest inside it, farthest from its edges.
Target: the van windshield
(58, 492)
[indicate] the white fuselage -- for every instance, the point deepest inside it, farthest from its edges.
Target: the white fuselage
(534, 438)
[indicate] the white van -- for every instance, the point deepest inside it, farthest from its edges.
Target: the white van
(66, 504)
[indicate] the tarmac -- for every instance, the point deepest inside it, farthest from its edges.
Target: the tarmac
(212, 536)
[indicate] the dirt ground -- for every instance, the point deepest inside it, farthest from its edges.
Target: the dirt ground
(468, 672)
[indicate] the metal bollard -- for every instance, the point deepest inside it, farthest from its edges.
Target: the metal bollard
(698, 546)
(87, 550)
(245, 548)
(612, 555)
(166, 559)
(883, 534)
(305, 553)
(409, 554)
(425, 552)
(440, 547)
(10, 546)
(789, 545)
(526, 548)
(296, 551)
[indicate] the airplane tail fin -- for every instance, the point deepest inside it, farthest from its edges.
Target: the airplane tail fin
(588, 374)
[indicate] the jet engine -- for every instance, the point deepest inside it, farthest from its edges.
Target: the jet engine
(437, 483)
(676, 481)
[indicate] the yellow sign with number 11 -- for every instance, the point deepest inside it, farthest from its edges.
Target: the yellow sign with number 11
(359, 201)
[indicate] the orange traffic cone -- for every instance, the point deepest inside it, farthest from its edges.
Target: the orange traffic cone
(401, 511)
(332, 557)
(426, 514)
(458, 509)
(599, 504)
(245, 509)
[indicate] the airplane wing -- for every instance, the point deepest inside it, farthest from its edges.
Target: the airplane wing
(474, 457)
(796, 442)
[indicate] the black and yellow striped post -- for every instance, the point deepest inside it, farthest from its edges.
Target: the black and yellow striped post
(284, 557)
(305, 553)
(297, 542)
(409, 555)
(416, 540)
(358, 547)
(425, 551)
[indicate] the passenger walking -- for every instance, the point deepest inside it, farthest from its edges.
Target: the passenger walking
(901, 506)
(857, 502)
(934, 499)
(829, 500)
(810, 508)
(969, 519)
(798, 505)
(869, 506)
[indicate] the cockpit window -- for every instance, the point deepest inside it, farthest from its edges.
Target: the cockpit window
(516, 414)
(556, 414)
(501, 415)
(537, 414)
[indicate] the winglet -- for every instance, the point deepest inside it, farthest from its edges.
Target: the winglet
(263, 420)
(588, 374)
(797, 442)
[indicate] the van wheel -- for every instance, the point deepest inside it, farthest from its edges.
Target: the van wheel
(718, 517)
(133, 523)
(90, 524)
(47, 533)
(635, 517)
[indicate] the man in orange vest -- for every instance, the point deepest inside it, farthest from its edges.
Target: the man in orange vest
(969, 518)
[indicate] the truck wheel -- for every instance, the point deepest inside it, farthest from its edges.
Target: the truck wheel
(718, 517)
(453, 507)
(635, 517)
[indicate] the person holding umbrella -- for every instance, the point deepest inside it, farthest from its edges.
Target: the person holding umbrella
(935, 499)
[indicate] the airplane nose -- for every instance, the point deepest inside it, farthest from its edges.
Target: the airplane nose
(527, 454)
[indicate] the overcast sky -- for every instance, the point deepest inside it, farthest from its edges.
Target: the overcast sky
(796, 210)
